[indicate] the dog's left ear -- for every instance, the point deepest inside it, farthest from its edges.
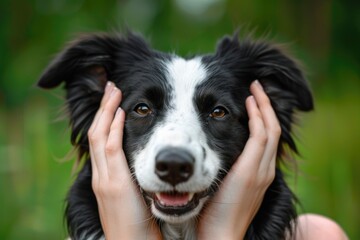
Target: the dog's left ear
(280, 75)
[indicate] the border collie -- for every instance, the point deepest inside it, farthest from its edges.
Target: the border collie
(186, 124)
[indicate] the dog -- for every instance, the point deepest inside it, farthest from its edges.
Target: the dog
(186, 124)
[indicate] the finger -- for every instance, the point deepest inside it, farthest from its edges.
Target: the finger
(107, 91)
(264, 104)
(98, 137)
(116, 160)
(271, 122)
(108, 88)
(254, 149)
(117, 126)
(107, 115)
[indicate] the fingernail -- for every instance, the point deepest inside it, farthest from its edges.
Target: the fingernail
(258, 84)
(108, 86)
(252, 99)
(113, 91)
(118, 111)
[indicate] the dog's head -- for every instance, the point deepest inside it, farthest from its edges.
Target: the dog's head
(186, 119)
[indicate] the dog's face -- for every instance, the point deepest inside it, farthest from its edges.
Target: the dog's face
(185, 126)
(186, 119)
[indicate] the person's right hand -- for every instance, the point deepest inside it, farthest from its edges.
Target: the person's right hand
(123, 212)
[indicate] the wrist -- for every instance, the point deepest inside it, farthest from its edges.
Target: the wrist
(149, 231)
(223, 233)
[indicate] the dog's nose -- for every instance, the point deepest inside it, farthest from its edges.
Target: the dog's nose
(174, 165)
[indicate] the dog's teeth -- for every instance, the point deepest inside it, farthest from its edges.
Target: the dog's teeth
(159, 198)
(191, 195)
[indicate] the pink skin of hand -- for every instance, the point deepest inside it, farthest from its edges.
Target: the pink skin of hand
(240, 195)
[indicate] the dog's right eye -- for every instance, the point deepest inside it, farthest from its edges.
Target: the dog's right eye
(142, 109)
(218, 112)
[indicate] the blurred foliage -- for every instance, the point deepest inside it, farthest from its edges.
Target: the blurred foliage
(323, 34)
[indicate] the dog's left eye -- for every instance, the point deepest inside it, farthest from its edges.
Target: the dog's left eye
(219, 112)
(142, 109)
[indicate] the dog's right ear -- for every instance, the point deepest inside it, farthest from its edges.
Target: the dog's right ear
(89, 55)
(93, 55)
(85, 66)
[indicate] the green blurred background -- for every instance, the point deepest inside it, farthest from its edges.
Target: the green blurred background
(35, 172)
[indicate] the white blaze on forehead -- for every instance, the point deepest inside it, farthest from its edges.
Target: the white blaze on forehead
(185, 75)
(182, 124)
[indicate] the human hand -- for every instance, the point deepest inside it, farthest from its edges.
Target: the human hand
(123, 212)
(233, 207)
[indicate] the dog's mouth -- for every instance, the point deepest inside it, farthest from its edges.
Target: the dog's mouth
(175, 203)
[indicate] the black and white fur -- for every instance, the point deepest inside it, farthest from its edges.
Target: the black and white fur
(181, 95)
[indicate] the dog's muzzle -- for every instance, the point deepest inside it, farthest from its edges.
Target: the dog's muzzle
(174, 166)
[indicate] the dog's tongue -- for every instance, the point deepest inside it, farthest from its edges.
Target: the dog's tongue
(173, 199)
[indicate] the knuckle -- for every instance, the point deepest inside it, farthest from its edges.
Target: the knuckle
(259, 132)
(102, 190)
(89, 134)
(111, 148)
(90, 130)
(262, 183)
(92, 137)
(261, 137)
(268, 179)
(95, 185)
(276, 130)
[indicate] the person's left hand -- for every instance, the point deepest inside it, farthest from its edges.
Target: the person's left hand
(239, 197)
